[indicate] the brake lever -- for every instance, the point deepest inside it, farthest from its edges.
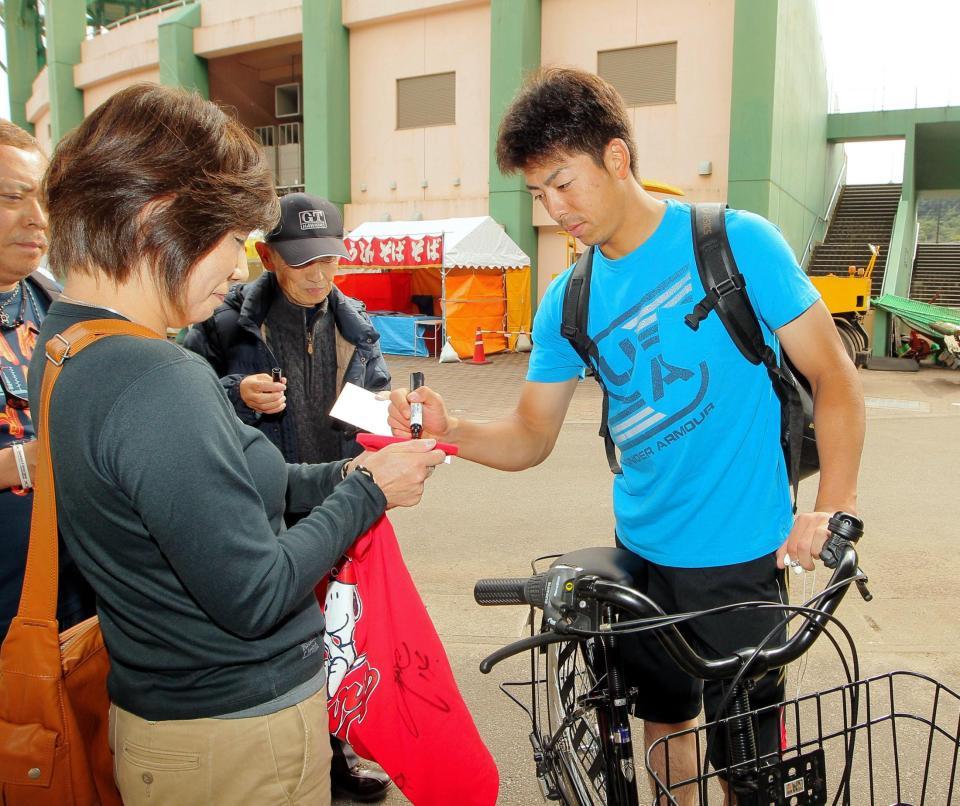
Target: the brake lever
(830, 554)
(524, 644)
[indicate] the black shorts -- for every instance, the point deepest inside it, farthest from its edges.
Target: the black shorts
(668, 695)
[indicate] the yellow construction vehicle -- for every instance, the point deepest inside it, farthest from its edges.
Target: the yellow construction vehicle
(848, 300)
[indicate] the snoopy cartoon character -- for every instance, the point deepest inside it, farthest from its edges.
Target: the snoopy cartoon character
(342, 609)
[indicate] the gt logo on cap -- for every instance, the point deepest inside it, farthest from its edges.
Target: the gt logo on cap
(313, 219)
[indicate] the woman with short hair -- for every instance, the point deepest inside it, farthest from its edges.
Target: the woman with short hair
(172, 508)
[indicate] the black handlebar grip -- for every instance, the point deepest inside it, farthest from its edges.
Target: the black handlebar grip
(511, 591)
(535, 591)
(502, 591)
(845, 529)
(846, 526)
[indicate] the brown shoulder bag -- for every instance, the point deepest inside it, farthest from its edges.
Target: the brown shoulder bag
(53, 686)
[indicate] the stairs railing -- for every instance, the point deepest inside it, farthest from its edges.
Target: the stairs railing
(831, 206)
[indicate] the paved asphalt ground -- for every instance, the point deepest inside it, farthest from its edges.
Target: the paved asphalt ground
(474, 522)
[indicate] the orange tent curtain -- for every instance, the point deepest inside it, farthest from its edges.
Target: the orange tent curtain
(475, 299)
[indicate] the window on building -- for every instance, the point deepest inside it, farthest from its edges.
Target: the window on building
(426, 101)
(644, 75)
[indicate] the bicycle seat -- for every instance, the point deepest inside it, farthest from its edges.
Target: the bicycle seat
(615, 565)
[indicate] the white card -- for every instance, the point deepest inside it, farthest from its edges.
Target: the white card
(361, 409)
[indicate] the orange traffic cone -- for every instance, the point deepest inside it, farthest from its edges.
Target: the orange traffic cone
(479, 356)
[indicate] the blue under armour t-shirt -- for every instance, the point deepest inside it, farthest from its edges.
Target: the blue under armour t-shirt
(704, 481)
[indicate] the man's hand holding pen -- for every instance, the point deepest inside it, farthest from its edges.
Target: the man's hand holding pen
(264, 392)
(437, 422)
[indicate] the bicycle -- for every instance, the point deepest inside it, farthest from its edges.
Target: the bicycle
(582, 740)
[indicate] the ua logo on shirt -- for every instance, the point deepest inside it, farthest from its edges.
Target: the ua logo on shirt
(649, 393)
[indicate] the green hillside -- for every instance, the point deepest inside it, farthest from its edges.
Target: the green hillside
(939, 220)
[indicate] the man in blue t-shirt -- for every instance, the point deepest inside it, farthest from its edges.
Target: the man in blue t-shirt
(703, 498)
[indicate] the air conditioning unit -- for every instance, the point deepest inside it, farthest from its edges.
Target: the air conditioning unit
(266, 136)
(289, 155)
(286, 101)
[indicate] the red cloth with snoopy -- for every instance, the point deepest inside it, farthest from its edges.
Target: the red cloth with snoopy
(390, 690)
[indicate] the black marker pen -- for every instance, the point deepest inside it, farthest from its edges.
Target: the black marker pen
(276, 374)
(416, 409)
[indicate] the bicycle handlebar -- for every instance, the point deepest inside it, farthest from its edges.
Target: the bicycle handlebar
(533, 591)
(760, 662)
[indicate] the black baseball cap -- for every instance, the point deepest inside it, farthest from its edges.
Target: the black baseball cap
(310, 227)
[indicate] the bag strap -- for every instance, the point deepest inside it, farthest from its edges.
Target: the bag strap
(41, 579)
(576, 302)
(573, 327)
(726, 292)
(725, 286)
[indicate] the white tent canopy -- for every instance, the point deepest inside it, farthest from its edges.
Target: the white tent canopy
(477, 243)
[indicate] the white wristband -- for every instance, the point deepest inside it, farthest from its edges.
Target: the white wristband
(23, 469)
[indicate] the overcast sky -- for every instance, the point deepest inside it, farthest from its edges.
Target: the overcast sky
(881, 54)
(889, 54)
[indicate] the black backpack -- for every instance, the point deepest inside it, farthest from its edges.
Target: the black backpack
(726, 293)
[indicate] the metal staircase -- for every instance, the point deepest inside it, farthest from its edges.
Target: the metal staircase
(936, 274)
(864, 215)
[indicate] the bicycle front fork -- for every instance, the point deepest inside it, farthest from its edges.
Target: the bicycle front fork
(613, 723)
(760, 781)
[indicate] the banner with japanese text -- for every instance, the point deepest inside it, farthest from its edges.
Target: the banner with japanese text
(407, 252)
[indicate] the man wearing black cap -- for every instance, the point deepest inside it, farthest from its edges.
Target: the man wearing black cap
(293, 317)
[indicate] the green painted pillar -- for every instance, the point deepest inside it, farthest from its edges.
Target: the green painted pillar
(326, 101)
(751, 105)
(903, 243)
(25, 56)
(514, 52)
(66, 28)
(179, 65)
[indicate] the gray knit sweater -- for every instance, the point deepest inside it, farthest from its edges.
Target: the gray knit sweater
(173, 510)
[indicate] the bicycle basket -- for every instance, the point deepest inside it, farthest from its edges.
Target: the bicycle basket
(890, 739)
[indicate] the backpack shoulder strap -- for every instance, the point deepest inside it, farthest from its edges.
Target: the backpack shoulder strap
(725, 287)
(576, 304)
(573, 327)
(726, 291)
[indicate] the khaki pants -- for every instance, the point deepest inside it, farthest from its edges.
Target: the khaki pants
(281, 758)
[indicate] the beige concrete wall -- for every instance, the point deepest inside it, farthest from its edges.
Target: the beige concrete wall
(38, 110)
(97, 94)
(238, 87)
(551, 255)
(233, 26)
(672, 139)
(109, 57)
(361, 12)
(452, 160)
